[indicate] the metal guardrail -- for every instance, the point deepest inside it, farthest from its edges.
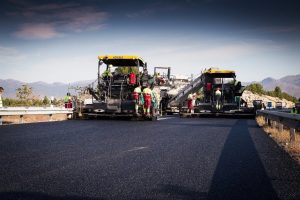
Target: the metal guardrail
(21, 111)
(287, 119)
(280, 119)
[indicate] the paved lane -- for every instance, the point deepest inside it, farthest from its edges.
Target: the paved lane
(169, 159)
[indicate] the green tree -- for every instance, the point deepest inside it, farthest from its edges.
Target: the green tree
(256, 88)
(24, 92)
(56, 102)
(278, 92)
(46, 101)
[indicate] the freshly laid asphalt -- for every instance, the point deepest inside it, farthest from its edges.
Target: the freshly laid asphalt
(173, 158)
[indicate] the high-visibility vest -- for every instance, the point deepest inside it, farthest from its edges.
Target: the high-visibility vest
(136, 93)
(218, 93)
(190, 97)
(106, 73)
(147, 91)
(137, 90)
(66, 99)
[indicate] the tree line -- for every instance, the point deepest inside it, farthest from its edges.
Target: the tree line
(257, 88)
(25, 97)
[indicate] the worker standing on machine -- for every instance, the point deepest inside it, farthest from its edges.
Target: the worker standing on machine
(190, 103)
(137, 98)
(107, 73)
(218, 95)
(147, 92)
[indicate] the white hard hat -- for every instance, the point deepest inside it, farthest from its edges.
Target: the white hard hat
(110, 65)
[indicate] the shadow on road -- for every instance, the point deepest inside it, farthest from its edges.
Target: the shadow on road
(240, 173)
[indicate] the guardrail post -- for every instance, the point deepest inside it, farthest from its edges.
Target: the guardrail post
(292, 135)
(273, 124)
(21, 119)
(50, 117)
(280, 127)
(266, 119)
(269, 122)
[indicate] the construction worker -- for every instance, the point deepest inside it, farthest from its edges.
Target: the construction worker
(190, 103)
(137, 98)
(1, 91)
(107, 73)
(154, 101)
(68, 101)
(147, 93)
(218, 95)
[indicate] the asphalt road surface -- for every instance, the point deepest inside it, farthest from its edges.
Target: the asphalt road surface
(172, 158)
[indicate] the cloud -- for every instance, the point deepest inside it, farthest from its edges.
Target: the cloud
(37, 31)
(80, 19)
(154, 8)
(48, 21)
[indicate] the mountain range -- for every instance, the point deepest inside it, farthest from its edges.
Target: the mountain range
(288, 84)
(41, 89)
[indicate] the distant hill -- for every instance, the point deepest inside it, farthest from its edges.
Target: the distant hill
(41, 89)
(288, 84)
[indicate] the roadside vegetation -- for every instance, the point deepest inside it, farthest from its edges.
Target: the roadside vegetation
(26, 98)
(257, 88)
(282, 138)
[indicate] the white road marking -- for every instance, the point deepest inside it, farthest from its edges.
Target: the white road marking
(164, 118)
(137, 148)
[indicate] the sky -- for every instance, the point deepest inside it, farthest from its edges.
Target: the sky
(59, 41)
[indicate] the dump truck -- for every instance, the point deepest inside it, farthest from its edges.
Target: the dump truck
(214, 92)
(113, 95)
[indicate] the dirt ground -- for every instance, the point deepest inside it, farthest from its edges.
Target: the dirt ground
(33, 118)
